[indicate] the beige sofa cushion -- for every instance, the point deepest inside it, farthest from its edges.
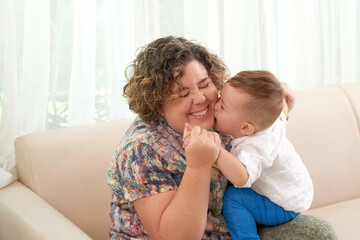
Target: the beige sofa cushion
(54, 164)
(25, 216)
(325, 132)
(344, 218)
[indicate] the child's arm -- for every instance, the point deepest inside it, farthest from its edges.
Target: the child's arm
(203, 147)
(232, 168)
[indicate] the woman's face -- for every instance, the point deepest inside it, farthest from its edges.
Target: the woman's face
(197, 101)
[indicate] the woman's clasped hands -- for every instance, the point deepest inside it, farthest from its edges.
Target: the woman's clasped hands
(202, 147)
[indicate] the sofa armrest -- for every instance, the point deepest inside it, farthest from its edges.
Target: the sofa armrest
(24, 215)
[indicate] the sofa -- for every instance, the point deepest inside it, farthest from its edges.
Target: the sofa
(61, 191)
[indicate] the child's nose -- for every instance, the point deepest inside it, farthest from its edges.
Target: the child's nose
(216, 106)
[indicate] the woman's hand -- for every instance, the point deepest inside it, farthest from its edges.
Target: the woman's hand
(289, 96)
(202, 147)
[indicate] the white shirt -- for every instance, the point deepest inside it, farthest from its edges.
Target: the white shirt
(275, 169)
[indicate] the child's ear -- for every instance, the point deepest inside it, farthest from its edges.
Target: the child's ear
(247, 129)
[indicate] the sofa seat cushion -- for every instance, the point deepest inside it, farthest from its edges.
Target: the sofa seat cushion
(26, 216)
(303, 227)
(343, 216)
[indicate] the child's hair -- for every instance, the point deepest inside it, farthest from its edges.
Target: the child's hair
(267, 96)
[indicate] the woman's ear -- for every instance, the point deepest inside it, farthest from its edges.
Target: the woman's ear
(247, 129)
(160, 111)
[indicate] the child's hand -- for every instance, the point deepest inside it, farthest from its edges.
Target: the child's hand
(203, 148)
(286, 110)
(289, 96)
(187, 134)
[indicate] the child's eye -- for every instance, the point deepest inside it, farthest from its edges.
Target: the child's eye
(222, 107)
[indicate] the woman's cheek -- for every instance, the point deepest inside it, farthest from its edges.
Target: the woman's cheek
(214, 94)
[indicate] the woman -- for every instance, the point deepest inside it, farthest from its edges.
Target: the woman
(159, 190)
(173, 81)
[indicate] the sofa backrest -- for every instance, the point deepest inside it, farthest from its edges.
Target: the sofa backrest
(68, 167)
(324, 128)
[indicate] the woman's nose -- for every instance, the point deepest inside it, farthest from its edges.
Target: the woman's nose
(199, 97)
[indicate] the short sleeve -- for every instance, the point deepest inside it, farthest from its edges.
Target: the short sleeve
(139, 171)
(254, 159)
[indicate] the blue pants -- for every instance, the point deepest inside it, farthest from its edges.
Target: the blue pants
(243, 208)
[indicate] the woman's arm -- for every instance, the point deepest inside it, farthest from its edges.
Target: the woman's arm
(178, 214)
(182, 213)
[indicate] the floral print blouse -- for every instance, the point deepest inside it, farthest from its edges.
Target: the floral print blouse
(149, 160)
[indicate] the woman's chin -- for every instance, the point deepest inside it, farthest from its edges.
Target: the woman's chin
(208, 125)
(206, 122)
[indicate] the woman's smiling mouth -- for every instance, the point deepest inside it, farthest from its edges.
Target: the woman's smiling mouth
(200, 114)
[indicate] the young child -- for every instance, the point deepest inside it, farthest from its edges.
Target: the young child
(272, 185)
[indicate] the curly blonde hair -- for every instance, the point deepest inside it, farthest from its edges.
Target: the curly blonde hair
(150, 76)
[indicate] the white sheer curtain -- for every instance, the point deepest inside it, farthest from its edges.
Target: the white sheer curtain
(62, 62)
(305, 43)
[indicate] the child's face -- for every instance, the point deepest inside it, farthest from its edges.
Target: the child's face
(230, 115)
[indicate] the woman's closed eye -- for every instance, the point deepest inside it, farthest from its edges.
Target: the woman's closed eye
(204, 85)
(184, 94)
